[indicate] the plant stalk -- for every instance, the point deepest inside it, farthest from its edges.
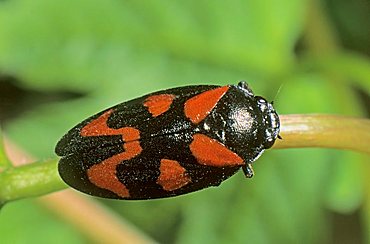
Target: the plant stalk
(328, 131)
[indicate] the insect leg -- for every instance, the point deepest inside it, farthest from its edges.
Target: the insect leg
(248, 170)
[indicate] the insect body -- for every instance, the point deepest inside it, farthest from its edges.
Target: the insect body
(168, 143)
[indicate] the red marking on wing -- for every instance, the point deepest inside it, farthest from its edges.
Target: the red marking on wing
(173, 176)
(158, 104)
(104, 174)
(210, 152)
(99, 127)
(199, 106)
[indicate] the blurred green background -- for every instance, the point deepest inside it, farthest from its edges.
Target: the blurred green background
(61, 61)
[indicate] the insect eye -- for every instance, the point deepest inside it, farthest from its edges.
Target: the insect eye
(268, 143)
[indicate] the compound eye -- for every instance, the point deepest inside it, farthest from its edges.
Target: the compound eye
(262, 104)
(268, 143)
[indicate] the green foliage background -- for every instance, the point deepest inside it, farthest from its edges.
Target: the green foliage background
(116, 50)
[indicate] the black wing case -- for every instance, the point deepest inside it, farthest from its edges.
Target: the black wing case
(142, 143)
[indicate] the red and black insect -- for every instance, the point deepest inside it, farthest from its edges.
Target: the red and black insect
(168, 143)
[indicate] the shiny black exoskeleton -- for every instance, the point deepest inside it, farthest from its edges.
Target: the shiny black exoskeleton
(153, 146)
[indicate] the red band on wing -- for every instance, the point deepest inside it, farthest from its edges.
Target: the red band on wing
(104, 175)
(99, 127)
(173, 176)
(210, 152)
(158, 104)
(199, 106)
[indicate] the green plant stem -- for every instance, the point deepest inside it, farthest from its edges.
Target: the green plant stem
(329, 131)
(30, 180)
